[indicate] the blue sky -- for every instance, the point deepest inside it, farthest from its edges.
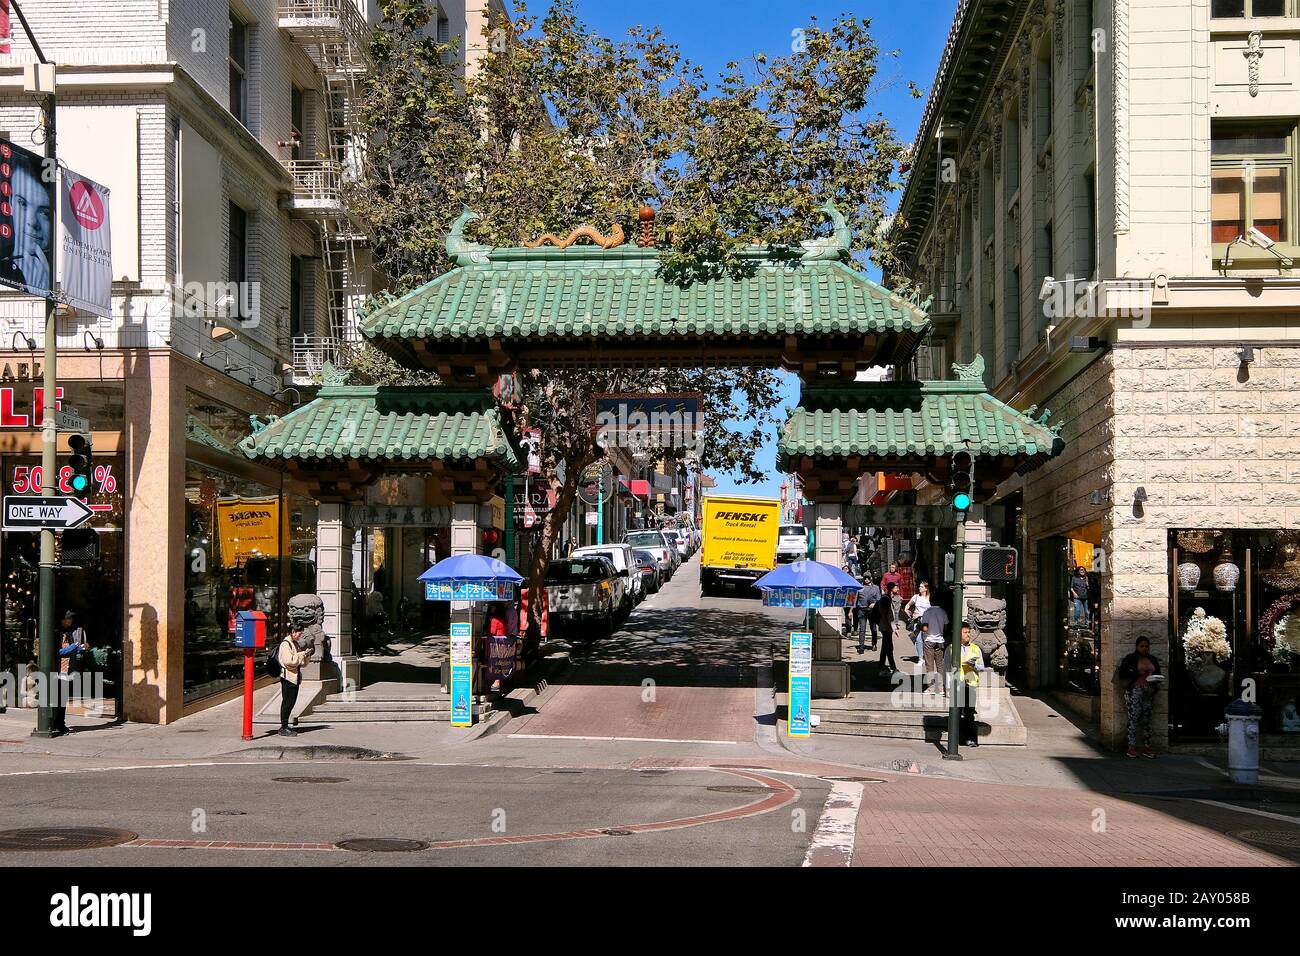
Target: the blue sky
(711, 32)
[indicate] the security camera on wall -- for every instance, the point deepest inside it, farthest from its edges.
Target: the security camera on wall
(1045, 292)
(1257, 238)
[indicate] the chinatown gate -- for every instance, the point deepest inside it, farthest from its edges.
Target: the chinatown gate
(501, 309)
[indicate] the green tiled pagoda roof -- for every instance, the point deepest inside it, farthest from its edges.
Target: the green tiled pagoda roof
(908, 421)
(392, 424)
(580, 291)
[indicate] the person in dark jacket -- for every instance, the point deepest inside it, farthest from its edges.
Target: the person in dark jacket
(72, 645)
(889, 609)
(1139, 675)
(867, 612)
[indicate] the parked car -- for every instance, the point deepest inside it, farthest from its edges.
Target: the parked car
(679, 541)
(629, 584)
(657, 543)
(791, 543)
(582, 590)
(648, 562)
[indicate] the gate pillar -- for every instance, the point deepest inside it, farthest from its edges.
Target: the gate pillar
(830, 670)
(334, 536)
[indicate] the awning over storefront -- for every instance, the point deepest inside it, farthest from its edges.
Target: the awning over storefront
(805, 308)
(910, 427)
(349, 434)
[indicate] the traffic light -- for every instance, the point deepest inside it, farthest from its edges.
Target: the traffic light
(81, 462)
(999, 564)
(961, 481)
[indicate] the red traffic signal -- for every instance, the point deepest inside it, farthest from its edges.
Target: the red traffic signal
(999, 564)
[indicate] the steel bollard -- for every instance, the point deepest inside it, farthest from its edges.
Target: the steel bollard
(1241, 726)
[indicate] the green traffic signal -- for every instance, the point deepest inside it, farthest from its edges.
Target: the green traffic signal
(79, 483)
(961, 501)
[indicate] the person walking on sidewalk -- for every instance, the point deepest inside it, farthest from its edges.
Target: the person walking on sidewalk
(968, 682)
(865, 612)
(891, 606)
(890, 576)
(292, 659)
(1139, 674)
(934, 624)
(915, 609)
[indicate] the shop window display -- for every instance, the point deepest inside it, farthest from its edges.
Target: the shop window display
(233, 562)
(1235, 624)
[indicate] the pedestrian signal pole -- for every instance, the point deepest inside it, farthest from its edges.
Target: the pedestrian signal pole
(961, 486)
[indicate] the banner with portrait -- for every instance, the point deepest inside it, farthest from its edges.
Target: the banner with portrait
(26, 221)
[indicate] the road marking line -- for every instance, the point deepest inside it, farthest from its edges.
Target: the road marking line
(1294, 821)
(643, 740)
(832, 843)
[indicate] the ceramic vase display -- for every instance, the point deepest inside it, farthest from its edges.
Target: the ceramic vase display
(1206, 675)
(1189, 575)
(1226, 573)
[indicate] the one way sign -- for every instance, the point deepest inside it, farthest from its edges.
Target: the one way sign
(25, 513)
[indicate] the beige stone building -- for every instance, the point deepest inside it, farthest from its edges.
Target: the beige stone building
(224, 130)
(1103, 205)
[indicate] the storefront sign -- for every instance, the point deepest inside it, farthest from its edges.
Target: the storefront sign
(249, 527)
(461, 658)
(798, 720)
(898, 516)
(10, 417)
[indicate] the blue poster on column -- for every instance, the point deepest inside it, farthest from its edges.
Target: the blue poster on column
(799, 716)
(462, 673)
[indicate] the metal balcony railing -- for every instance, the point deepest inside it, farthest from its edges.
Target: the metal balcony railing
(316, 185)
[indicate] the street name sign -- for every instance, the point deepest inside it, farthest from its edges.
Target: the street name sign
(27, 513)
(68, 420)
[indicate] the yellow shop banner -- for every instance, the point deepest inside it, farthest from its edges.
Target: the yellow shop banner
(249, 527)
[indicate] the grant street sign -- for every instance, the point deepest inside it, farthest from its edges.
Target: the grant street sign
(68, 420)
(27, 513)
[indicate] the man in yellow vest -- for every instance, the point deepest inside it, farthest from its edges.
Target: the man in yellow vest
(972, 664)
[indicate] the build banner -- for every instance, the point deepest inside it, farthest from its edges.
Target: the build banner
(86, 267)
(26, 222)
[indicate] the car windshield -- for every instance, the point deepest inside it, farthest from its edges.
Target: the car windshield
(652, 538)
(574, 570)
(792, 529)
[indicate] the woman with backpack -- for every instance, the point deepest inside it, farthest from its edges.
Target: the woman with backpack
(291, 658)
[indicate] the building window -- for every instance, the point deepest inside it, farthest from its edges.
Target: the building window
(238, 69)
(296, 120)
(1049, 249)
(237, 267)
(1252, 181)
(1248, 8)
(297, 313)
(1090, 252)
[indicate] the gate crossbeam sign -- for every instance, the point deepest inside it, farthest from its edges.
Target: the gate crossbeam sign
(28, 513)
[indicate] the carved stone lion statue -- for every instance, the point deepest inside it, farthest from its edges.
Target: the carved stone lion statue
(988, 619)
(307, 611)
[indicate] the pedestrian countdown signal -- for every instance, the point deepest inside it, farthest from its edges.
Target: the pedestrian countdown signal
(999, 564)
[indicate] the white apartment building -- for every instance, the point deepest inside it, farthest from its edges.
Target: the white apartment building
(224, 131)
(1103, 205)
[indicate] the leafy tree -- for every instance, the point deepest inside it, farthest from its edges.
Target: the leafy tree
(560, 125)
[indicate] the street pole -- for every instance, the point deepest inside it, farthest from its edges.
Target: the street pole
(509, 543)
(600, 507)
(954, 653)
(49, 432)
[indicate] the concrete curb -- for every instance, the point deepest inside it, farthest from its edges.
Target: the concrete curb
(521, 697)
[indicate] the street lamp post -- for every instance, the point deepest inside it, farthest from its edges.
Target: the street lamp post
(954, 655)
(49, 430)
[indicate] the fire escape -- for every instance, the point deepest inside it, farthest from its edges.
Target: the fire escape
(334, 34)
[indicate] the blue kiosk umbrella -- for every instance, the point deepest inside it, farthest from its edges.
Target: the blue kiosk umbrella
(809, 584)
(470, 577)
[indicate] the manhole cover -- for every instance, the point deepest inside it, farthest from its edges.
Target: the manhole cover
(1281, 839)
(566, 771)
(854, 779)
(229, 813)
(381, 845)
(309, 779)
(63, 838)
(652, 773)
(741, 789)
(192, 730)
(616, 832)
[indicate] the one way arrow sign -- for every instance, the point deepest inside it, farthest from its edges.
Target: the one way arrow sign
(25, 513)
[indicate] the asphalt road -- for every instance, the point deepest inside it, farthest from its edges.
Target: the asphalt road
(673, 816)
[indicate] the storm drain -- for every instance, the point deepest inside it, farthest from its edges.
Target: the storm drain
(562, 770)
(616, 832)
(1277, 839)
(652, 773)
(63, 838)
(737, 788)
(854, 779)
(309, 779)
(381, 845)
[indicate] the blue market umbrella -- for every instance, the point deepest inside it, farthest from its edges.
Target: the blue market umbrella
(471, 567)
(807, 574)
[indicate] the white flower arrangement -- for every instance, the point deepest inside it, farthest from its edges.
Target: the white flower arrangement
(1206, 637)
(1282, 650)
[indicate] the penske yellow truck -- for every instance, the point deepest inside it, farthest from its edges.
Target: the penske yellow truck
(739, 542)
